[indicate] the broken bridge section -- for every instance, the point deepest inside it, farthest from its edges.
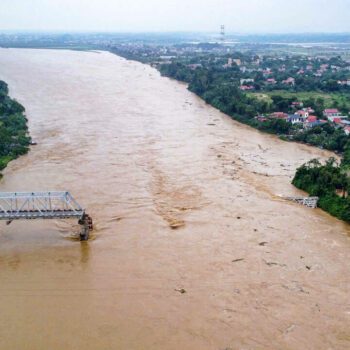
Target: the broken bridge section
(310, 202)
(43, 205)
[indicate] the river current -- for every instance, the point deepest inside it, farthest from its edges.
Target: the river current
(182, 197)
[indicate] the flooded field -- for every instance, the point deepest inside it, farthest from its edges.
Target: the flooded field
(184, 200)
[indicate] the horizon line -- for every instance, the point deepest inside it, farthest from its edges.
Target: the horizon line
(82, 31)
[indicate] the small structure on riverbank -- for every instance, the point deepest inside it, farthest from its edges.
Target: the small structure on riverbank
(44, 205)
(310, 202)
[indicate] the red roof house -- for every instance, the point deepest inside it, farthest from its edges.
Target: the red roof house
(311, 119)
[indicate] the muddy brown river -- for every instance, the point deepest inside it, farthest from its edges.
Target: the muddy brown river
(181, 197)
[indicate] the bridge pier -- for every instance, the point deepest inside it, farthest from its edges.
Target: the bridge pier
(86, 226)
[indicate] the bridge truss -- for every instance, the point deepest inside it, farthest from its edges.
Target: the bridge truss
(43, 205)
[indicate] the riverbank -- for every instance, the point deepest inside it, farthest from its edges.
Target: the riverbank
(333, 139)
(14, 138)
(220, 88)
(329, 182)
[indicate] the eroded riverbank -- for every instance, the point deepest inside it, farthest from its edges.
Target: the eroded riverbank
(143, 154)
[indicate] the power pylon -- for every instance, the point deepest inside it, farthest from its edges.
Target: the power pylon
(222, 33)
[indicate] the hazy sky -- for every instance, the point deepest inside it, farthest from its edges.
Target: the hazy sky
(176, 15)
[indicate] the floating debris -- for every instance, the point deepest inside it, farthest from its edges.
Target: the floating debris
(181, 290)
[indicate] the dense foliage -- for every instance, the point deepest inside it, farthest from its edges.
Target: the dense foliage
(216, 87)
(329, 182)
(325, 136)
(14, 139)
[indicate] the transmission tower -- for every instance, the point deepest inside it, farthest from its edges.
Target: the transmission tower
(222, 33)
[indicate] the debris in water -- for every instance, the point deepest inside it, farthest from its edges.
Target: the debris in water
(272, 263)
(181, 290)
(175, 224)
(289, 329)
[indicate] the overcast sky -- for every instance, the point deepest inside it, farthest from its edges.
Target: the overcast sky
(255, 16)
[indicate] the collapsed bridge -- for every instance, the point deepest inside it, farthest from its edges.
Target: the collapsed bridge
(310, 202)
(43, 205)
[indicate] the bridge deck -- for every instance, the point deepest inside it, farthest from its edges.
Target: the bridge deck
(38, 205)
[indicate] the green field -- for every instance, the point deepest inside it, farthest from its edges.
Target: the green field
(331, 100)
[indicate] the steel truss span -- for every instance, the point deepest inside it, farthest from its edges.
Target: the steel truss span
(43, 205)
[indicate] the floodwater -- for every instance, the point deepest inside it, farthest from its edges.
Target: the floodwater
(181, 197)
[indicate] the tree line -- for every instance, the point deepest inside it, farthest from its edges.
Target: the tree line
(14, 139)
(330, 182)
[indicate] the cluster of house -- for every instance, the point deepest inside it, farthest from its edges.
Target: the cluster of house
(344, 82)
(305, 118)
(290, 81)
(269, 81)
(246, 84)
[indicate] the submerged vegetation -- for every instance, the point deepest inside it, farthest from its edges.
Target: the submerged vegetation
(14, 139)
(330, 182)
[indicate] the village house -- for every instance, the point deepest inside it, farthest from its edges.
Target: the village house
(309, 110)
(345, 121)
(289, 81)
(309, 67)
(229, 63)
(261, 118)
(312, 121)
(304, 113)
(246, 87)
(338, 122)
(244, 81)
(279, 115)
(297, 104)
(295, 119)
(331, 113)
(237, 61)
(271, 81)
(344, 82)
(347, 130)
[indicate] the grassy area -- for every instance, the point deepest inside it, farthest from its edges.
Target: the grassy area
(4, 161)
(331, 100)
